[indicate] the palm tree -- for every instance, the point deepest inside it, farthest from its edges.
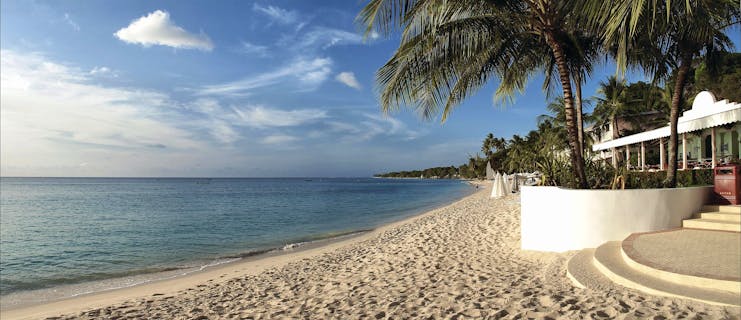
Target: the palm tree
(488, 145)
(621, 20)
(557, 113)
(450, 49)
(611, 104)
(584, 49)
(472, 165)
(693, 29)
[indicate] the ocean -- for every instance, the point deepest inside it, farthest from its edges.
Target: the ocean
(114, 232)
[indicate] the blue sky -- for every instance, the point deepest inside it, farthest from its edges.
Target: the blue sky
(224, 88)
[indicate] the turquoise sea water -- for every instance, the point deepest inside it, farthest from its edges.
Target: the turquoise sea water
(60, 231)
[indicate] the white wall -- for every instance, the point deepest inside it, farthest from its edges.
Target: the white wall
(557, 219)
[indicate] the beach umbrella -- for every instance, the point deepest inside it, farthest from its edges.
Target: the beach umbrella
(499, 188)
(495, 186)
(505, 185)
(489, 171)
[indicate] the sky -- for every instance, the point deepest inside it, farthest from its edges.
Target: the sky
(221, 89)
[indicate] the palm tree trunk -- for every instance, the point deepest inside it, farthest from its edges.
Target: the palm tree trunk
(577, 160)
(615, 135)
(671, 171)
(579, 112)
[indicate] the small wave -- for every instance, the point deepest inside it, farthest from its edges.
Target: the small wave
(248, 254)
(291, 246)
(324, 237)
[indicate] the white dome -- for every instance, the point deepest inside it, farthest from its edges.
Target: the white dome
(703, 100)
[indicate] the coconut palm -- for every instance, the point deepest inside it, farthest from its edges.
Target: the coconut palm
(556, 115)
(670, 46)
(488, 145)
(621, 20)
(583, 50)
(450, 48)
(611, 104)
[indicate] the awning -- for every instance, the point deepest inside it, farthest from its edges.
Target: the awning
(705, 113)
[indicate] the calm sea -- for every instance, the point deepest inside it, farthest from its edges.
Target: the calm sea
(62, 231)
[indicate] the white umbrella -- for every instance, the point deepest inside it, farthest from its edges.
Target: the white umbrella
(505, 185)
(499, 189)
(496, 186)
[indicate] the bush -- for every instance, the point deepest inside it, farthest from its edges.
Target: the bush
(686, 178)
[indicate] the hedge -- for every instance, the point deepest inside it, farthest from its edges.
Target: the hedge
(685, 178)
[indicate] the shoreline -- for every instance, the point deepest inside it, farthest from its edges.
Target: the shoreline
(243, 266)
(463, 260)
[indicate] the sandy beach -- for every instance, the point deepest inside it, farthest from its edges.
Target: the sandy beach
(459, 261)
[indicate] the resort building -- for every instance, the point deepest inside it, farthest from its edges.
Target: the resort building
(708, 136)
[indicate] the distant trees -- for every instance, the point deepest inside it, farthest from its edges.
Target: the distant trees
(494, 150)
(722, 78)
(437, 173)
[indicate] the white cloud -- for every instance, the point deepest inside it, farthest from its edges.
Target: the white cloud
(100, 70)
(253, 49)
(260, 116)
(56, 121)
(324, 38)
(305, 74)
(371, 126)
(279, 139)
(277, 14)
(53, 116)
(71, 23)
(223, 131)
(348, 79)
(103, 72)
(156, 28)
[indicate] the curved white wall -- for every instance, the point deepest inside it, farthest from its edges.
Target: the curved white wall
(557, 219)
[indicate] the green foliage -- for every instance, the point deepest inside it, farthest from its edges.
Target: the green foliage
(722, 78)
(451, 49)
(685, 178)
(643, 105)
(437, 172)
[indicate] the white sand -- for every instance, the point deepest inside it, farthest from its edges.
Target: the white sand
(462, 260)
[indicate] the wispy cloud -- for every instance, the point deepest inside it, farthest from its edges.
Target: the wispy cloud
(323, 38)
(277, 14)
(279, 139)
(156, 28)
(304, 74)
(52, 111)
(348, 79)
(253, 49)
(228, 124)
(370, 126)
(70, 22)
(103, 72)
(261, 117)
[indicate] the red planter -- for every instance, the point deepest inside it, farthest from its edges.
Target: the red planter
(727, 184)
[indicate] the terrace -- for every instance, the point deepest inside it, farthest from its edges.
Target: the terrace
(709, 134)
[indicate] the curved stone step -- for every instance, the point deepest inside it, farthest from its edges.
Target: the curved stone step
(608, 259)
(583, 274)
(723, 208)
(710, 224)
(721, 216)
(678, 278)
